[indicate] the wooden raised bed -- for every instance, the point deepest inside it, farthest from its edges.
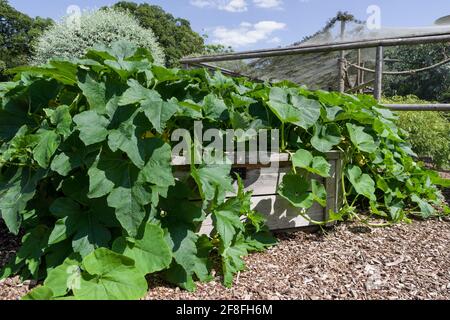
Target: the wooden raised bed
(264, 181)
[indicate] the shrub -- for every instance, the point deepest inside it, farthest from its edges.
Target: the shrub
(68, 39)
(86, 174)
(429, 132)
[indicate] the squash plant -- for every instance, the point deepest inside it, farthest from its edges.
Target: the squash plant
(86, 172)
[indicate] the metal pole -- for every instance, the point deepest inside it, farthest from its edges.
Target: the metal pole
(378, 74)
(342, 61)
(418, 107)
(303, 49)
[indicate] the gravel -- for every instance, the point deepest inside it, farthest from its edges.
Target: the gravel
(351, 261)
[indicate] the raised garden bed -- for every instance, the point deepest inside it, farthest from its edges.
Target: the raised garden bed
(263, 181)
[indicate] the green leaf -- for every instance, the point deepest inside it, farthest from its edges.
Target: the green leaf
(92, 127)
(190, 254)
(326, 137)
(156, 110)
(426, 209)
(232, 260)
(61, 118)
(129, 202)
(106, 173)
(110, 276)
(48, 143)
(158, 169)
(360, 139)
(159, 112)
(215, 108)
(316, 165)
(73, 155)
(319, 193)
(90, 235)
(93, 90)
(64, 278)
(63, 207)
(136, 93)
(125, 139)
(150, 252)
(363, 183)
(32, 250)
(227, 220)
(295, 189)
(15, 193)
(213, 180)
(64, 228)
(280, 106)
(309, 110)
(39, 293)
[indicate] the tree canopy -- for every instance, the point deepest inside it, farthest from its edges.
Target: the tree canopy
(431, 85)
(174, 34)
(17, 34)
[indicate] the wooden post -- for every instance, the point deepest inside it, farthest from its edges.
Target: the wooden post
(358, 74)
(378, 90)
(341, 61)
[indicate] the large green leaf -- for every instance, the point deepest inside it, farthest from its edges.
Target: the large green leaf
(215, 108)
(190, 252)
(309, 110)
(93, 90)
(426, 209)
(39, 293)
(158, 170)
(92, 127)
(129, 202)
(296, 189)
(326, 137)
(316, 165)
(61, 118)
(157, 111)
(110, 276)
(280, 106)
(363, 183)
(125, 139)
(64, 278)
(15, 193)
(227, 220)
(73, 155)
(33, 245)
(48, 143)
(150, 252)
(362, 140)
(213, 180)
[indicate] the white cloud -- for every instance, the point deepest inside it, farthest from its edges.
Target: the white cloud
(246, 34)
(274, 40)
(268, 3)
(226, 5)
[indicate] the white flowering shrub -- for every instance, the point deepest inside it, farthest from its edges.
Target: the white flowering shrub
(74, 36)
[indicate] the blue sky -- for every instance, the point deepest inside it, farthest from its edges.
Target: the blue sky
(253, 24)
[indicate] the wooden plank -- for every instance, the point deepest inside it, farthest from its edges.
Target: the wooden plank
(282, 158)
(378, 90)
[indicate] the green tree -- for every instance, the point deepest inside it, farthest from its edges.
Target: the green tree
(17, 34)
(174, 34)
(429, 85)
